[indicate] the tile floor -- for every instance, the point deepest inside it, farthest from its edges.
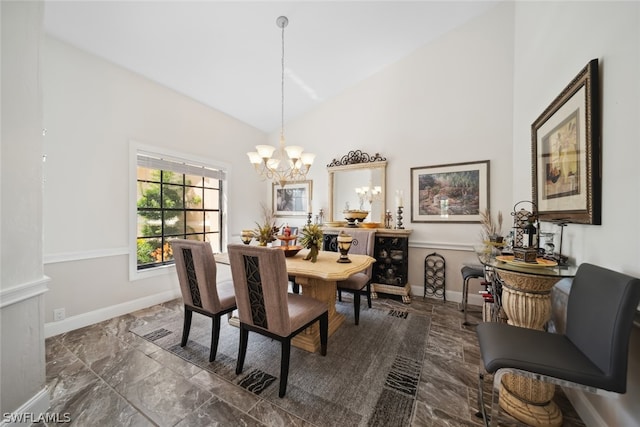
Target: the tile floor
(105, 375)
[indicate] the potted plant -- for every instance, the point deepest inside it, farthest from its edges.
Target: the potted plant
(311, 239)
(491, 231)
(266, 231)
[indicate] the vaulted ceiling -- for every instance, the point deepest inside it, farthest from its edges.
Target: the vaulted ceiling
(227, 54)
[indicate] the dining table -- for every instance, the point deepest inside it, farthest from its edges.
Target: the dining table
(317, 280)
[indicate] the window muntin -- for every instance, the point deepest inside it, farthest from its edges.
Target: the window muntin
(172, 204)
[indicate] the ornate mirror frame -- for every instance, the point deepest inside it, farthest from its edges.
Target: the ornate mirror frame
(358, 160)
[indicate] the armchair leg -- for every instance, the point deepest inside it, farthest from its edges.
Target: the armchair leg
(187, 326)
(242, 351)
(284, 366)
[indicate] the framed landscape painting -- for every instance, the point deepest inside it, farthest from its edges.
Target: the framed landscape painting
(450, 193)
(292, 198)
(566, 153)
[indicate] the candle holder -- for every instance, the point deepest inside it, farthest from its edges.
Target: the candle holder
(388, 219)
(344, 244)
(309, 215)
(399, 218)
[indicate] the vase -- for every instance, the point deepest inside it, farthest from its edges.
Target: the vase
(313, 253)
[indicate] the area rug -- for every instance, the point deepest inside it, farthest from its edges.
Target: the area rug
(368, 378)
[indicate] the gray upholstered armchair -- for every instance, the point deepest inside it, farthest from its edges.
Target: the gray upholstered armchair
(591, 355)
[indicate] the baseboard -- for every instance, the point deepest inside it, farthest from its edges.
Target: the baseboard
(85, 319)
(588, 414)
(30, 411)
(453, 296)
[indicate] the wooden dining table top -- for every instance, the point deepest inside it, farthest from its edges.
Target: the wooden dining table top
(326, 267)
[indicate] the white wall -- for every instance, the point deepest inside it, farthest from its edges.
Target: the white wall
(553, 42)
(448, 102)
(92, 110)
(22, 282)
(470, 95)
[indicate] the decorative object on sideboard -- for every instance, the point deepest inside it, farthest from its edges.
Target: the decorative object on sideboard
(399, 225)
(388, 219)
(354, 215)
(289, 163)
(565, 145)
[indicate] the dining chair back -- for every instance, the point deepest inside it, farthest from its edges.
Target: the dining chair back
(360, 283)
(591, 355)
(266, 307)
(201, 292)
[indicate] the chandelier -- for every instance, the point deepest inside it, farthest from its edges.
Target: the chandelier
(285, 163)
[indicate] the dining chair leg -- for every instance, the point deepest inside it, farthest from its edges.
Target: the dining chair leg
(369, 294)
(356, 306)
(215, 334)
(339, 295)
(284, 365)
(187, 326)
(242, 350)
(324, 333)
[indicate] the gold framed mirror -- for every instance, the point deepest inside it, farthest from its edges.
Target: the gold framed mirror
(357, 181)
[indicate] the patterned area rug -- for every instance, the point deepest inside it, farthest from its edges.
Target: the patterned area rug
(368, 378)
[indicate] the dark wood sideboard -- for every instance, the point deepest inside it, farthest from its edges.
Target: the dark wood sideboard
(391, 251)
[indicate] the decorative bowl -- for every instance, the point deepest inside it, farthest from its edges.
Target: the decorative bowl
(335, 223)
(370, 224)
(289, 251)
(355, 214)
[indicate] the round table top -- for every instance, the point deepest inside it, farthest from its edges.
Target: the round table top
(535, 270)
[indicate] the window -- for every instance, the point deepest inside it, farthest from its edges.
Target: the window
(175, 199)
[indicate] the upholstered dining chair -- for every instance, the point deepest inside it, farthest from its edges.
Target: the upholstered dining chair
(201, 292)
(266, 307)
(591, 355)
(359, 283)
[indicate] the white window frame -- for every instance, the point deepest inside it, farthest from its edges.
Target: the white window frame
(136, 148)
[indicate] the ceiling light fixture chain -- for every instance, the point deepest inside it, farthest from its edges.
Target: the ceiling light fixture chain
(283, 164)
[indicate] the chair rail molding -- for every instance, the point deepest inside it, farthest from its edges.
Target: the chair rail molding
(83, 255)
(23, 291)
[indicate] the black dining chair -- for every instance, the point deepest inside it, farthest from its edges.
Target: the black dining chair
(591, 355)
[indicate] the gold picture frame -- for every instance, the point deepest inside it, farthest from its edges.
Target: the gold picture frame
(566, 170)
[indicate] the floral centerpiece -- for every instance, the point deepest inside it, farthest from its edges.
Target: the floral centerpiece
(311, 239)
